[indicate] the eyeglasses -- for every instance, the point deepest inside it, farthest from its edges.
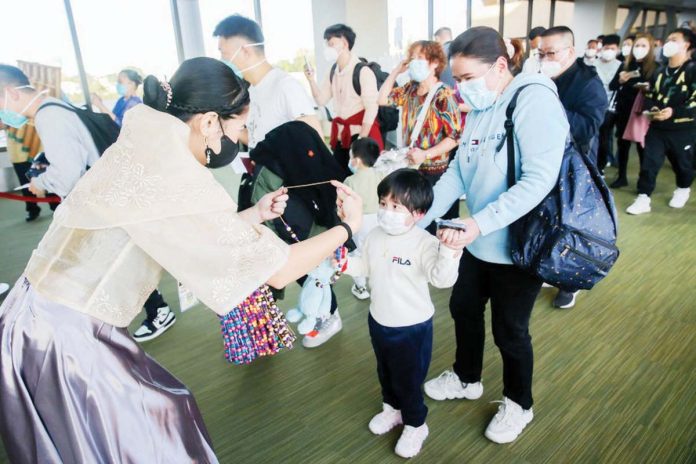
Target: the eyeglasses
(550, 55)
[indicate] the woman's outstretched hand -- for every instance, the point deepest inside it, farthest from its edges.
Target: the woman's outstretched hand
(272, 205)
(349, 205)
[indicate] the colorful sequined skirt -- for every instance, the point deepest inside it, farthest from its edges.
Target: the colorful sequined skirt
(74, 389)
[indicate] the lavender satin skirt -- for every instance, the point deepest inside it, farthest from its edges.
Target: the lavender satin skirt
(76, 390)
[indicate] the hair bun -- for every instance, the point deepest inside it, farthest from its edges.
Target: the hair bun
(154, 94)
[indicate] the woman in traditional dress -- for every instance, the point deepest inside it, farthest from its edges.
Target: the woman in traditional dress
(74, 386)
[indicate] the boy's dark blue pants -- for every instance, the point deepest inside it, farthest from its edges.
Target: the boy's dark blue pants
(403, 357)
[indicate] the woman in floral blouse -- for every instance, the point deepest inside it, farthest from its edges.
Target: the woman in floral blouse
(442, 126)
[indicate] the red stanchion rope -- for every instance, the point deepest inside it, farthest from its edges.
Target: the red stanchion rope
(13, 196)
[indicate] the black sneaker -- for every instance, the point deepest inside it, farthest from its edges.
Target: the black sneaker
(565, 300)
(152, 329)
(32, 214)
(619, 182)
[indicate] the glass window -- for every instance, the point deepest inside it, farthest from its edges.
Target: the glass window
(283, 49)
(40, 38)
(120, 34)
(408, 23)
(485, 13)
(621, 15)
(515, 26)
(541, 13)
(450, 13)
(650, 19)
(214, 11)
(564, 14)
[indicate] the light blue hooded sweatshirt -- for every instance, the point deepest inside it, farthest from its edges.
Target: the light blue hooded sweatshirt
(479, 172)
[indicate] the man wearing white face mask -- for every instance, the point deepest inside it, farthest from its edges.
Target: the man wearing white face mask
(532, 64)
(67, 143)
(355, 113)
(584, 100)
(606, 66)
(671, 102)
(591, 51)
(275, 96)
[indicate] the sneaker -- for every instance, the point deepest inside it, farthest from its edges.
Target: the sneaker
(360, 293)
(385, 420)
(565, 300)
(641, 205)
(323, 332)
(411, 441)
(152, 329)
(3, 287)
(508, 422)
(463, 197)
(619, 182)
(679, 197)
(448, 387)
(545, 285)
(32, 215)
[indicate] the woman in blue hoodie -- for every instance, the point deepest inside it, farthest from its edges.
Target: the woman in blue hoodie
(481, 67)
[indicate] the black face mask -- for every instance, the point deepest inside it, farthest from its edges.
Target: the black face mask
(228, 152)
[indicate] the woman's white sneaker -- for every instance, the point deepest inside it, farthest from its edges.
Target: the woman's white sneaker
(411, 441)
(447, 386)
(680, 197)
(509, 422)
(641, 205)
(385, 420)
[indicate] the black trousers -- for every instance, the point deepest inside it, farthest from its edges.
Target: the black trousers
(605, 153)
(678, 147)
(511, 292)
(403, 357)
(623, 147)
(21, 171)
(153, 303)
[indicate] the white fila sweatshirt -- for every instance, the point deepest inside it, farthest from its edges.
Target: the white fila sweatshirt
(399, 269)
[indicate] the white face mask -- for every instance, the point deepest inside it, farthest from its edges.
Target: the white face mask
(551, 68)
(640, 52)
(671, 48)
(626, 50)
(590, 53)
(330, 54)
(608, 55)
(476, 93)
(419, 70)
(393, 222)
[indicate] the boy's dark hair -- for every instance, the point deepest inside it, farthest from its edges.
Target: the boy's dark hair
(536, 32)
(240, 26)
(12, 76)
(611, 39)
(340, 31)
(688, 35)
(409, 187)
(559, 30)
(366, 150)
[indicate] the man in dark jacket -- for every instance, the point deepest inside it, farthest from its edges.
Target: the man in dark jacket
(584, 99)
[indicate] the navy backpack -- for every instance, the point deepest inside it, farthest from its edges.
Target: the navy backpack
(569, 239)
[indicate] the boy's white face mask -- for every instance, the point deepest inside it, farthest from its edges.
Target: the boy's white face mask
(394, 222)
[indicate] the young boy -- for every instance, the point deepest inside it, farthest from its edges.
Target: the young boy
(363, 154)
(400, 260)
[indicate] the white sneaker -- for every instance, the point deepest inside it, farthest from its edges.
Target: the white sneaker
(641, 205)
(152, 329)
(679, 197)
(411, 441)
(463, 197)
(545, 285)
(327, 329)
(3, 287)
(385, 420)
(508, 422)
(448, 387)
(360, 293)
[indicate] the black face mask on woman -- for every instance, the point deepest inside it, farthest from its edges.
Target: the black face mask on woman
(228, 152)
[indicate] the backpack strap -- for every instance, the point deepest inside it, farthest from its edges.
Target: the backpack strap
(510, 135)
(332, 72)
(67, 106)
(356, 75)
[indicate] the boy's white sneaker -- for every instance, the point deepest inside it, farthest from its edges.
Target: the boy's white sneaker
(385, 420)
(447, 386)
(508, 422)
(641, 205)
(411, 441)
(680, 197)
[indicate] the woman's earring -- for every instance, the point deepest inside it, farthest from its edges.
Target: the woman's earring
(208, 150)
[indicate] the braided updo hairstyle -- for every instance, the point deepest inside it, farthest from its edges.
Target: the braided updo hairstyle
(200, 85)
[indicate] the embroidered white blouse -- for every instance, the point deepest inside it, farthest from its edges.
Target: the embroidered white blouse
(148, 205)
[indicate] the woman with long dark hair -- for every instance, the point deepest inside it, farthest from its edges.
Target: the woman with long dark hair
(481, 66)
(74, 386)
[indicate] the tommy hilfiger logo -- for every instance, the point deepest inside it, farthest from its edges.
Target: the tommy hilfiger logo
(402, 261)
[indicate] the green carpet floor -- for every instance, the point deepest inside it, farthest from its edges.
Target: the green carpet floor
(615, 378)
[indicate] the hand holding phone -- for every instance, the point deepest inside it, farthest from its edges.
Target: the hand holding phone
(449, 224)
